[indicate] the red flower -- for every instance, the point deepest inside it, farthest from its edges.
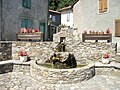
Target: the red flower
(35, 30)
(106, 56)
(22, 53)
(108, 30)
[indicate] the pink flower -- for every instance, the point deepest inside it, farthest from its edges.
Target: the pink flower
(22, 53)
(108, 30)
(106, 56)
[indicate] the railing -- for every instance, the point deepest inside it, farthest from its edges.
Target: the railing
(97, 37)
(30, 36)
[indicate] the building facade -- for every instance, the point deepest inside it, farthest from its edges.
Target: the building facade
(98, 15)
(16, 14)
(67, 16)
(0, 18)
(55, 21)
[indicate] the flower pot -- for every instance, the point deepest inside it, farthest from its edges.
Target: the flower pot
(23, 58)
(105, 60)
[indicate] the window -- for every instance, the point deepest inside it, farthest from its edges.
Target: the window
(103, 7)
(27, 23)
(26, 3)
(53, 18)
(117, 28)
(68, 16)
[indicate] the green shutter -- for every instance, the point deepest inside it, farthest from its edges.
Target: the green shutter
(29, 24)
(23, 23)
(42, 27)
(26, 23)
(29, 3)
(26, 3)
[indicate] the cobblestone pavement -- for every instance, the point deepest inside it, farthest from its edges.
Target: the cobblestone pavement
(19, 81)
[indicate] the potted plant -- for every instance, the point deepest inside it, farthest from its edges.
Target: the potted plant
(108, 31)
(105, 58)
(23, 56)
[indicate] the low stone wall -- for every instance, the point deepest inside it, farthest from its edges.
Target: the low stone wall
(35, 50)
(110, 71)
(13, 67)
(5, 50)
(5, 68)
(62, 76)
(84, 52)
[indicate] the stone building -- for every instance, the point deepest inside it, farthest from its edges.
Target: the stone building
(98, 15)
(15, 14)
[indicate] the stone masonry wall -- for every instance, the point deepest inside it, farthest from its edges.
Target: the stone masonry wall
(5, 68)
(84, 52)
(62, 76)
(5, 50)
(35, 50)
(110, 71)
(12, 67)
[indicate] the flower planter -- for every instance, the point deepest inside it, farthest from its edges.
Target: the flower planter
(105, 61)
(23, 58)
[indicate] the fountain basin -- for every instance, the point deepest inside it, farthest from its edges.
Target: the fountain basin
(62, 76)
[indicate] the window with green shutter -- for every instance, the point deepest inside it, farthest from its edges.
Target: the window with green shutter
(27, 23)
(26, 3)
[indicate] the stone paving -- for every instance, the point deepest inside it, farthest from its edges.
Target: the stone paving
(19, 81)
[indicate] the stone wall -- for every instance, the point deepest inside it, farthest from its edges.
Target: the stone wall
(61, 76)
(35, 50)
(5, 68)
(12, 67)
(84, 52)
(5, 50)
(110, 71)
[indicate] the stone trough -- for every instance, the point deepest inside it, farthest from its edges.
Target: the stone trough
(62, 76)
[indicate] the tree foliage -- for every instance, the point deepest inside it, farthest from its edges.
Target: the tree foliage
(58, 4)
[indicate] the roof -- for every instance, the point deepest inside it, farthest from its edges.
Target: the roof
(69, 7)
(74, 3)
(54, 11)
(65, 8)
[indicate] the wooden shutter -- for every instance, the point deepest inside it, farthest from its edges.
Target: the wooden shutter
(117, 28)
(104, 5)
(100, 6)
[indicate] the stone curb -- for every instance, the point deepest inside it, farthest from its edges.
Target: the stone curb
(14, 62)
